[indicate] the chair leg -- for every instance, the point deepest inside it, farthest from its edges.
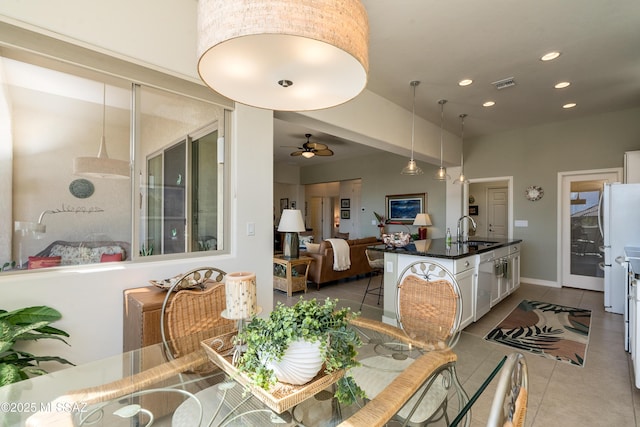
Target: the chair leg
(366, 291)
(381, 288)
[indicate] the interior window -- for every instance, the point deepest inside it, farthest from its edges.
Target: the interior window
(56, 210)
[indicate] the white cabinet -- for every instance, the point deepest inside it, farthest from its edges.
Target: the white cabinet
(466, 282)
(514, 267)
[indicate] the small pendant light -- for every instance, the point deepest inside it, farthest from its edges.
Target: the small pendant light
(101, 166)
(441, 173)
(461, 179)
(412, 168)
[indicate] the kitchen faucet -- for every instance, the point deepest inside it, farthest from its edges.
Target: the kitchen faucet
(461, 238)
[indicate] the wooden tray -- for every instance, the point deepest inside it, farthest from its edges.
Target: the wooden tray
(281, 396)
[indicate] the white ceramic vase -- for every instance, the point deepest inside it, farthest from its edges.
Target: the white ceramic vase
(300, 363)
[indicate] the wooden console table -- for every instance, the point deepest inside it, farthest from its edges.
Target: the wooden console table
(291, 283)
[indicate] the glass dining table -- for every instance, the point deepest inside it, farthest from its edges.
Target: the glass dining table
(141, 388)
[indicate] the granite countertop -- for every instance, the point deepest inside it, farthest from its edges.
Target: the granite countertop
(437, 248)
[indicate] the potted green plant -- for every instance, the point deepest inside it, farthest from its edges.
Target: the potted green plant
(267, 341)
(26, 324)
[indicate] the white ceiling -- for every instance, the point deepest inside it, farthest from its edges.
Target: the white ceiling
(442, 42)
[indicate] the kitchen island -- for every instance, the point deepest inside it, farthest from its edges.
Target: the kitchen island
(486, 269)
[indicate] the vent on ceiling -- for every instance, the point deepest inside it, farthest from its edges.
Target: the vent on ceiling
(504, 83)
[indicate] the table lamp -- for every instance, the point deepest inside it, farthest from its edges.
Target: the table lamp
(291, 223)
(422, 220)
(241, 302)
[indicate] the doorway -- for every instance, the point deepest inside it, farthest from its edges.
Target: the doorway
(489, 202)
(581, 241)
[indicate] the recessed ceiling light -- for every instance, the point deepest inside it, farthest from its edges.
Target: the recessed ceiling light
(465, 82)
(489, 104)
(550, 56)
(569, 105)
(562, 85)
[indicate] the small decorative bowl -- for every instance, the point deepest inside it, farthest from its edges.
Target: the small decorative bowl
(396, 240)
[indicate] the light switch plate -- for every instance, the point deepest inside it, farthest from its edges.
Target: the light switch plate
(251, 229)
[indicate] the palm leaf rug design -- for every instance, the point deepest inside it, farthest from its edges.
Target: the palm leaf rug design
(549, 330)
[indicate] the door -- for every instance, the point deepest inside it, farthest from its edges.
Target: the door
(316, 218)
(497, 205)
(581, 237)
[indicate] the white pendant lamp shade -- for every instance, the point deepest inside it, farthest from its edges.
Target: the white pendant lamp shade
(101, 166)
(462, 179)
(287, 55)
(441, 173)
(412, 168)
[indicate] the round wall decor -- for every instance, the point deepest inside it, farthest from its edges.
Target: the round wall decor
(81, 188)
(534, 193)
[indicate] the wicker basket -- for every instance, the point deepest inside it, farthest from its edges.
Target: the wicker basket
(298, 283)
(281, 396)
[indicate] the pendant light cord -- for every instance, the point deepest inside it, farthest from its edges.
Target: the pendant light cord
(104, 107)
(442, 102)
(413, 115)
(462, 116)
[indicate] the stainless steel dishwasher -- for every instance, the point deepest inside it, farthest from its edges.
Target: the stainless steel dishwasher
(486, 279)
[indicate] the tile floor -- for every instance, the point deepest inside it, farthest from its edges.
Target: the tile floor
(599, 394)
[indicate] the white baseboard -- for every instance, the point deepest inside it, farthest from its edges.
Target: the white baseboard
(540, 282)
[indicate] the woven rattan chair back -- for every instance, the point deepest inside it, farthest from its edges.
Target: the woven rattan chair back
(192, 315)
(429, 305)
(509, 405)
(375, 259)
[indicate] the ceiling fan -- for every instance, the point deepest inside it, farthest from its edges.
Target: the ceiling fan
(310, 149)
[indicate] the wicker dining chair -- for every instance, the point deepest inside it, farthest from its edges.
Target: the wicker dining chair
(192, 315)
(509, 406)
(429, 311)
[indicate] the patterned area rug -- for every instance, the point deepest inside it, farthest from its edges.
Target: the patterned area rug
(549, 330)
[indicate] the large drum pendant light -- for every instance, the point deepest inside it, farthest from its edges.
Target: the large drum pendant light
(288, 55)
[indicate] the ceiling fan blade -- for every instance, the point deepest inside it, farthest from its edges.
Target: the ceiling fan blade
(315, 146)
(297, 153)
(325, 152)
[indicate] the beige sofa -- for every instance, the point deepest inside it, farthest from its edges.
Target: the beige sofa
(321, 269)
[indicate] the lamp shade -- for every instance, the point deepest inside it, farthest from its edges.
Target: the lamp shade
(422, 219)
(291, 221)
(288, 55)
(101, 166)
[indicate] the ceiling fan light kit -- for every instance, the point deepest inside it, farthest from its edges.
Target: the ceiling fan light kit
(287, 55)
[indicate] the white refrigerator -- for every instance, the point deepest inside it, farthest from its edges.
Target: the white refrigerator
(620, 227)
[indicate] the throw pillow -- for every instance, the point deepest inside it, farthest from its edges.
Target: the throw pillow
(313, 248)
(110, 257)
(304, 241)
(43, 262)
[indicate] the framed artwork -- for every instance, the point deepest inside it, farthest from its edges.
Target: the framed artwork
(473, 210)
(345, 214)
(284, 204)
(403, 208)
(345, 203)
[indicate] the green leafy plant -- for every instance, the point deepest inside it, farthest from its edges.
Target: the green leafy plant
(26, 324)
(309, 321)
(146, 251)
